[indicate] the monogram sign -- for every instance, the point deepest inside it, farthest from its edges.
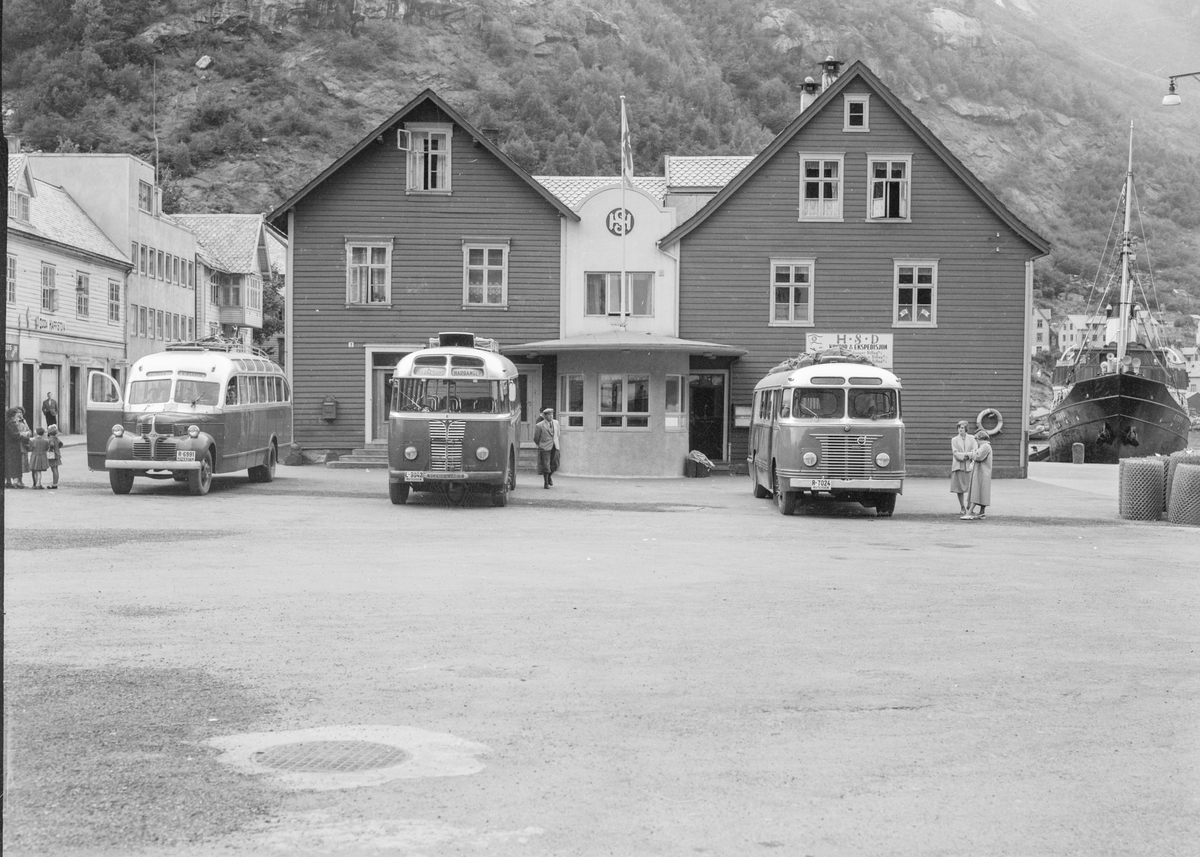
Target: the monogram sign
(619, 221)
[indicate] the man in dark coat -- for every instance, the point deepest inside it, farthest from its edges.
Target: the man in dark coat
(50, 410)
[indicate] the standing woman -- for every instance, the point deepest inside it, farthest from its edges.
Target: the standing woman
(961, 447)
(14, 454)
(981, 478)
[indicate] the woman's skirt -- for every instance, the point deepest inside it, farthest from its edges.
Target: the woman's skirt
(960, 481)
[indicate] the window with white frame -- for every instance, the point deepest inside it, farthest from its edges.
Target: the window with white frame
(792, 291)
(133, 320)
(570, 401)
(916, 294)
(821, 187)
(429, 158)
(83, 294)
(159, 327)
(675, 417)
(146, 196)
(369, 272)
(254, 292)
(49, 288)
(114, 301)
(624, 401)
(143, 260)
(889, 178)
(18, 206)
(191, 331)
(604, 293)
(857, 115)
(11, 292)
(142, 327)
(161, 271)
(485, 274)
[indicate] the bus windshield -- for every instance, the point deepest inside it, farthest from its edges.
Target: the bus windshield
(443, 394)
(154, 392)
(197, 392)
(873, 404)
(187, 392)
(821, 404)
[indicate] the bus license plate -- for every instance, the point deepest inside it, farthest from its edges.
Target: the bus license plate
(185, 455)
(821, 485)
(414, 476)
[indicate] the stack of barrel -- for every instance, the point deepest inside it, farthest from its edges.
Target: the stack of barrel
(1152, 486)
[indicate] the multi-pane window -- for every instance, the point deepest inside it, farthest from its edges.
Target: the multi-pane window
(11, 279)
(485, 275)
(857, 115)
(143, 260)
(889, 188)
(161, 272)
(159, 326)
(368, 273)
(49, 288)
(916, 294)
(83, 294)
(674, 413)
(624, 401)
(570, 400)
(114, 301)
(254, 292)
(429, 158)
(604, 293)
(18, 206)
(133, 320)
(821, 187)
(792, 291)
(146, 196)
(142, 329)
(191, 334)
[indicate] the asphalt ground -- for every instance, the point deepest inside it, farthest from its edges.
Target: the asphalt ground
(627, 667)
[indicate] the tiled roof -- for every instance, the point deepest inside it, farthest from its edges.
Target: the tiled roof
(16, 164)
(229, 240)
(703, 171)
(573, 189)
(54, 215)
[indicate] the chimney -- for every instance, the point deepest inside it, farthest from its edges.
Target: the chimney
(830, 68)
(809, 90)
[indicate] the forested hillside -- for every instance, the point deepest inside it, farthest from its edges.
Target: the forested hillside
(242, 101)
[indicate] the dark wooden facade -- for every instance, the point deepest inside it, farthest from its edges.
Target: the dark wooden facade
(975, 358)
(364, 194)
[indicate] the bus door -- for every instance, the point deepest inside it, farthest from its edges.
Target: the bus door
(105, 408)
(529, 400)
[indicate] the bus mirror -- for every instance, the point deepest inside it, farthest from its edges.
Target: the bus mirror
(329, 408)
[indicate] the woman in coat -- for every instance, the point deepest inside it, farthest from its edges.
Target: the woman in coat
(15, 437)
(981, 478)
(961, 447)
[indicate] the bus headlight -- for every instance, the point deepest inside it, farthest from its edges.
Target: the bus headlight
(482, 453)
(118, 430)
(883, 459)
(810, 459)
(410, 452)
(193, 431)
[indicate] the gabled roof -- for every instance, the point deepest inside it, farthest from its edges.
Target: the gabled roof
(573, 190)
(229, 241)
(19, 176)
(387, 124)
(55, 216)
(858, 71)
(703, 172)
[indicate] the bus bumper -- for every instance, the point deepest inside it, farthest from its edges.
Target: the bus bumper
(429, 478)
(125, 464)
(820, 484)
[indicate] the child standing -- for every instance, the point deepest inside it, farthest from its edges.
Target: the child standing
(53, 454)
(39, 446)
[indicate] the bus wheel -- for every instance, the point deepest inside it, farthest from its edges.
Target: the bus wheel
(398, 491)
(199, 481)
(121, 481)
(500, 495)
(785, 500)
(265, 472)
(885, 505)
(760, 493)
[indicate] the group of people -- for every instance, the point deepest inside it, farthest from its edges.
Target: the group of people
(32, 452)
(971, 472)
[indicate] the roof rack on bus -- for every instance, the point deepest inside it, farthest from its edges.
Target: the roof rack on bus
(462, 339)
(219, 343)
(833, 354)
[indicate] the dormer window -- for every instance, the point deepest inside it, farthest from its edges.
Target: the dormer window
(857, 113)
(429, 158)
(18, 206)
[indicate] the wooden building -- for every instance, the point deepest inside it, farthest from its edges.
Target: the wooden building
(857, 226)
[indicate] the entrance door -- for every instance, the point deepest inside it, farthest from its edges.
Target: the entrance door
(529, 392)
(381, 402)
(49, 376)
(707, 410)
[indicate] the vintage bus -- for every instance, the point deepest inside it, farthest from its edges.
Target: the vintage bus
(196, 409)
(454, 421)
(832, 429)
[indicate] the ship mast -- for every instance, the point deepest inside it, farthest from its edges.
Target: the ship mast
(1123, 308)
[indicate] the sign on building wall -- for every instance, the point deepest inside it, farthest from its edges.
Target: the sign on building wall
(877, 346)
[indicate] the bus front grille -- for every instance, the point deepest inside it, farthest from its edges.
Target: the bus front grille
(445, 444)
(144, 450)
(846, 456)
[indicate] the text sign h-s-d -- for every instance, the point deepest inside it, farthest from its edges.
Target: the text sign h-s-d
(619, 221)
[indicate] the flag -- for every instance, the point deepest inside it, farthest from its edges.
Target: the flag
(626, 148)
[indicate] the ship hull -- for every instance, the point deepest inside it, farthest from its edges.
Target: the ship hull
(1117, 416)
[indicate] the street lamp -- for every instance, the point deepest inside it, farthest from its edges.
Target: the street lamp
(1171, 99)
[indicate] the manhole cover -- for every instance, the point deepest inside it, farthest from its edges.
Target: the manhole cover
(327, 756)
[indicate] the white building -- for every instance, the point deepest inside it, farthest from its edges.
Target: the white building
(1041, 334)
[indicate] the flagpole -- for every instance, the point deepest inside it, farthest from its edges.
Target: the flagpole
(626, 174)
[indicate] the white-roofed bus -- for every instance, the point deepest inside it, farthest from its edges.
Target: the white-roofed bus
(454, 422)
(828, 428)
(194, 410)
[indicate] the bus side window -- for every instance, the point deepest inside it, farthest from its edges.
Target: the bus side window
(262, 388)
(231, 392)
(287, 393)
(785, 404)
(243, 391)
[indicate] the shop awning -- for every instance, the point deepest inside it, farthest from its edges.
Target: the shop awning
(624, 340)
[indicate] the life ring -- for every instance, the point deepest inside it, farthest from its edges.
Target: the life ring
(987, 413)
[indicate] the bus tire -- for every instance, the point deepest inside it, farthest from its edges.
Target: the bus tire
(760, 493)
(121, 481)
(785, 500)
(265, 472)
(500, 495)
(885, 505)
(990, 413)
(199, 481)
(398, 492)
